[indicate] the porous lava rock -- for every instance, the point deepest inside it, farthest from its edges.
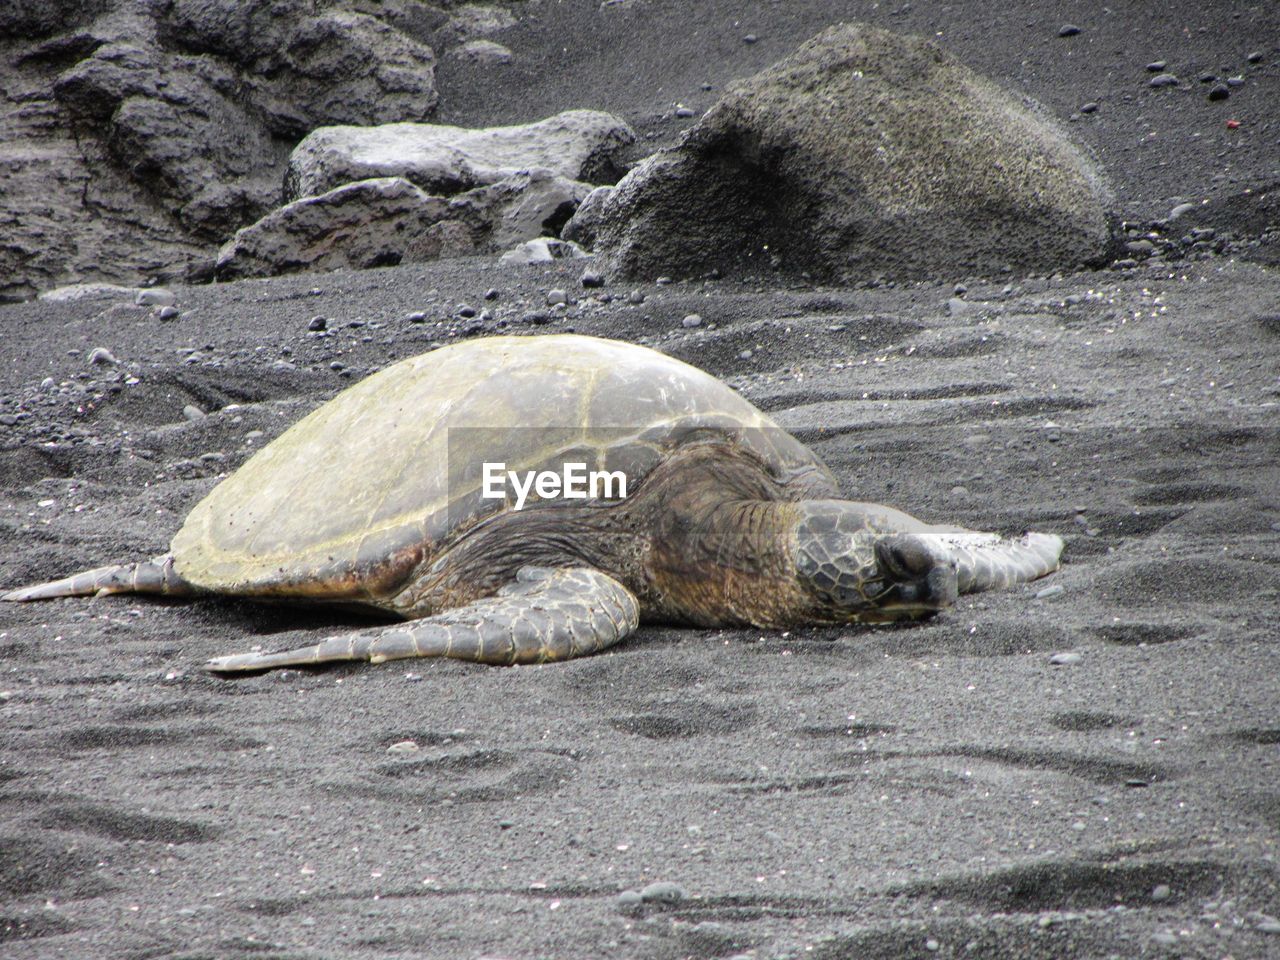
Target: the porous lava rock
(864, 154)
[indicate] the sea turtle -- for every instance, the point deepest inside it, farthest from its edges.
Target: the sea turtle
(388, 497)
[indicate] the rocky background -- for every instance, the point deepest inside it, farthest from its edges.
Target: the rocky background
(1085, 766)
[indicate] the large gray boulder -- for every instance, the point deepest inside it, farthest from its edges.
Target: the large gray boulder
(582, 145)
(863, 154)
(388, 220)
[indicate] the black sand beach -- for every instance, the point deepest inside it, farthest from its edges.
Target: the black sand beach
(1085, 766)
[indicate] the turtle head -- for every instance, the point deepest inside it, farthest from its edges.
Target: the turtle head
(856, 573)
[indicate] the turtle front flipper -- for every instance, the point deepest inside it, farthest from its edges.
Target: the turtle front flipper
(987, 561)
(146, 576)
(546, 614)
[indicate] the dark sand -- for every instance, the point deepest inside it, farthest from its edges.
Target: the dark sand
(931, 790)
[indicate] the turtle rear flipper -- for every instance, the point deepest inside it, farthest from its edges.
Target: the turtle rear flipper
(146, 576)
(546, 614)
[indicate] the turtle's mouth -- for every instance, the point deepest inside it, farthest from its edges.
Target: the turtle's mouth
(917, 580)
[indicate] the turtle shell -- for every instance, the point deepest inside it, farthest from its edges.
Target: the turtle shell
(390, 472)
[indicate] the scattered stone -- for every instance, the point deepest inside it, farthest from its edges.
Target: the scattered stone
(1255, 57)
(662, 892)
(403, 746)
(1163, 80)
(492, 294)
(959, 491)
(167, 313)
(1068, 30)
(101, 355)
(317, 323)
(591, 279)
(85, 291)
(691, 320)
(1160, 893)
(1140, 248)
(1090, 107)
(155, 297)
(1157, 66)
(193, 413)
(1066, 659)
(750, 38)
(418, 316)
(813, 128)
(1219, 91)
(745, 355)
(629, 900)
(1181, 210)
(684, 113)
(482, 51)
(580, 145)
(466, 312)
(543, 250)
(556, 296)
(506, 824)
(636, 297)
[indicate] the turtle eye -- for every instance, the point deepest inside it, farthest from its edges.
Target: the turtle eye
(904, 557)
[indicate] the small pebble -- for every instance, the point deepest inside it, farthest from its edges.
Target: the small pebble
(1163, 80)
(745, 355)
(1160, 892)
(1068, 30)
(635, 297)
(692, 320)
(320, 323)
(1157, 66)
(684, 113)
(1181, 210)
(1269, 925)
(465, 311)
(102, 355)
(1090, 107)
(491, 294)
(1048, 593)
(556, 296)
(1235, 81)
(959, 491)
(663, 281)
(167, 313)
(750, 38)
(403, 746)
(628, 900)
(1255, 57)
(933, 946)
(662, 892)
(337, 365)
(416, 317)
(1065, 659)
(591, 279)
(1164, 938)
(1219, 91)
(193, 413)
(155, 297)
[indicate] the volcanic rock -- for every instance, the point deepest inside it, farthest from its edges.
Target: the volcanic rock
(863, 154)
